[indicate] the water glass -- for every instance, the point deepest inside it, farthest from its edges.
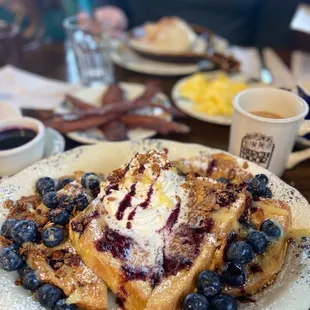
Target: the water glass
(9, 47)
(92, 53)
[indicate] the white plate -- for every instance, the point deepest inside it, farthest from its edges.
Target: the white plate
(291, 288)
(92, 96)
(129, 59)
(187, 106)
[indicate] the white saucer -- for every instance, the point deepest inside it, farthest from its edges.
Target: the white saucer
(54, 143)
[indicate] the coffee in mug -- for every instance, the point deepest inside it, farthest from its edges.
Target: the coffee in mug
(260, 134)
(266, 114)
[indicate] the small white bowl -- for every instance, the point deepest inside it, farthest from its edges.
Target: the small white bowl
(16, 159)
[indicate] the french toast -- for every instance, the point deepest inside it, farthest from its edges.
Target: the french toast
(59, 265)
(192, 235)
(63, 267)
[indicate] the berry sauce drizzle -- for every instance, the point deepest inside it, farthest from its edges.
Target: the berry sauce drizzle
(141, 169)
(115, 243)
(173, 217)
(143, 205)
(126, 202)
(110, 188)
(211, 167)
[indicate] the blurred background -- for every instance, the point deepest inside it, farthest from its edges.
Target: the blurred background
(37, 24)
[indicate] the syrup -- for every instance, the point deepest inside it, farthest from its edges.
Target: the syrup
(11, 138)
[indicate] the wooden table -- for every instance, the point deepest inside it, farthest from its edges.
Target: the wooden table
(50, 61)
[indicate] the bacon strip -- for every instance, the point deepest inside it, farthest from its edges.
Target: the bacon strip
(65, 126)
(78, 103)
(115, 130)
(151, 89)
(113, 94)
(150, 122)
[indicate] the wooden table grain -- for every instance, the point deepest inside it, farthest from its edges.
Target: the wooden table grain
(53, 61)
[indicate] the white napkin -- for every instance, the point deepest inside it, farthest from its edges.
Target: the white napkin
(250, 65)
(28, 90)
(301, 19)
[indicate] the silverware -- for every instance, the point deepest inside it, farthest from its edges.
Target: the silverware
(265, 74)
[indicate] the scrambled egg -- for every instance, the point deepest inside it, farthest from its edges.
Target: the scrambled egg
(212, 96)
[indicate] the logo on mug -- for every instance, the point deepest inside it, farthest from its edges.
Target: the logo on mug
(258, 148)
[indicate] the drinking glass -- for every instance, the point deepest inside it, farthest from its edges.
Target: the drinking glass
(92, 53)
(9, 48)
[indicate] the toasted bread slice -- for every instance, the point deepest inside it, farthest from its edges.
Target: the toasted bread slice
(263, 269)
(63, 267)
(216, 166)
(188, 247)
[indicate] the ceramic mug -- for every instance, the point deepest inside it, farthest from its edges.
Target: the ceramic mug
(268, 142)
(15, 159)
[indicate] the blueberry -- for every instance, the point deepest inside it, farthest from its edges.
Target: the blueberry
(10, 260)
(81, 202)
(256, 187)
(24, 270)
(262, 178)
(90, 180)
(62, 305)
(24, 231)
(267, 194)
(224, 302)
(233, 274)
(48, 295)
(272, 229)
(30, 281)
(50, 200)
(45, 185)
(240, 252)
(258, 241)
(52, 237)
(195, 301)
(63, 182)
(59, 217)
(208, 283)
(15, 247)
(223, 180)
(66, 203)
(6, 229)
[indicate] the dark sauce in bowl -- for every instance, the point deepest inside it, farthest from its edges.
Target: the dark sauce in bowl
(11, 138)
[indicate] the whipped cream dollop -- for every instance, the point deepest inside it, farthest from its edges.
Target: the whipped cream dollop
(148, 190)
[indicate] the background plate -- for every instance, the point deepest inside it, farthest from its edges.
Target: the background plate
(129, 59)
(187, 106)
(93, 95)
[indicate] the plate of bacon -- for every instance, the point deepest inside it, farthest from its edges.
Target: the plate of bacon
(116, 112)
